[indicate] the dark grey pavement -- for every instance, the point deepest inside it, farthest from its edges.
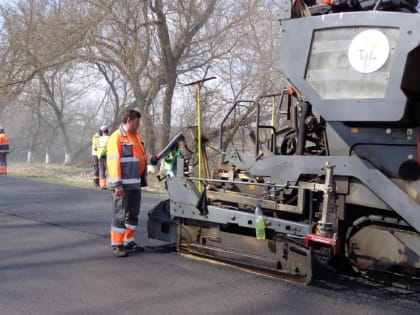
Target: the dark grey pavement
(55, 259)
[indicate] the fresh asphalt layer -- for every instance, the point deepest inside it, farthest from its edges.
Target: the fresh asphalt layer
(55, 258)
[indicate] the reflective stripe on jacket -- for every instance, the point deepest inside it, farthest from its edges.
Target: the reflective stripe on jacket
(126, 159)
(4, 143)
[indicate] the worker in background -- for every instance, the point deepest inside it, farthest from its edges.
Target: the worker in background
(101, 151)
(171, 162)
(4, 150)
(95, 158)
(127, 164)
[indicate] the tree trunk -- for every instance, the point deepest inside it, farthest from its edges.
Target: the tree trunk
(167, 110)
(29, 157)
(147, 127)
(68, 155)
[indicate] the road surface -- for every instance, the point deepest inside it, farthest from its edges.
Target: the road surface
(55, 258)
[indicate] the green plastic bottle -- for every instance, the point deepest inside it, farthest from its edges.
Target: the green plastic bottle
(259, 223)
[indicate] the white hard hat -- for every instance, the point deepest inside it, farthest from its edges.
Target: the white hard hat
(103, 128)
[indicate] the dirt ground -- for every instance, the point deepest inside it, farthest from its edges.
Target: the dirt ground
(76, 175)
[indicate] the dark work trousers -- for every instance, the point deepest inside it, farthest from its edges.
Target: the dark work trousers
(126, 209)
(3, 163)
(95, 170)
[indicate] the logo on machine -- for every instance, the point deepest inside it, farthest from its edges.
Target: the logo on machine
(368, 51)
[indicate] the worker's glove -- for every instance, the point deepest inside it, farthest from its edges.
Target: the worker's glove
(153, 160)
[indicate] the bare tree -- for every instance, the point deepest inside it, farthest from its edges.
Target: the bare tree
(118, 93)
(43, 37)
(247, 71)
(190, 18)
(143, 50)
(121, 38)
(40, 35)
(152, 48)
(61, 98)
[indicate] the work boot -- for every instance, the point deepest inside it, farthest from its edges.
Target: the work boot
(133, 247)
(119, 251)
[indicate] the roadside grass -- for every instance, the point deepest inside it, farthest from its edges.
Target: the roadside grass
(79, 175)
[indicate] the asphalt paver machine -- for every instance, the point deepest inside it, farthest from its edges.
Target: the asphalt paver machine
(339, 177)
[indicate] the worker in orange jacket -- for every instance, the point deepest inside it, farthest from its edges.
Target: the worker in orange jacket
(4, 150)
(127, 164)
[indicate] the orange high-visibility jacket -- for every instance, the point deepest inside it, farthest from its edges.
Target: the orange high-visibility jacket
(126, 159)
(4, 143)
